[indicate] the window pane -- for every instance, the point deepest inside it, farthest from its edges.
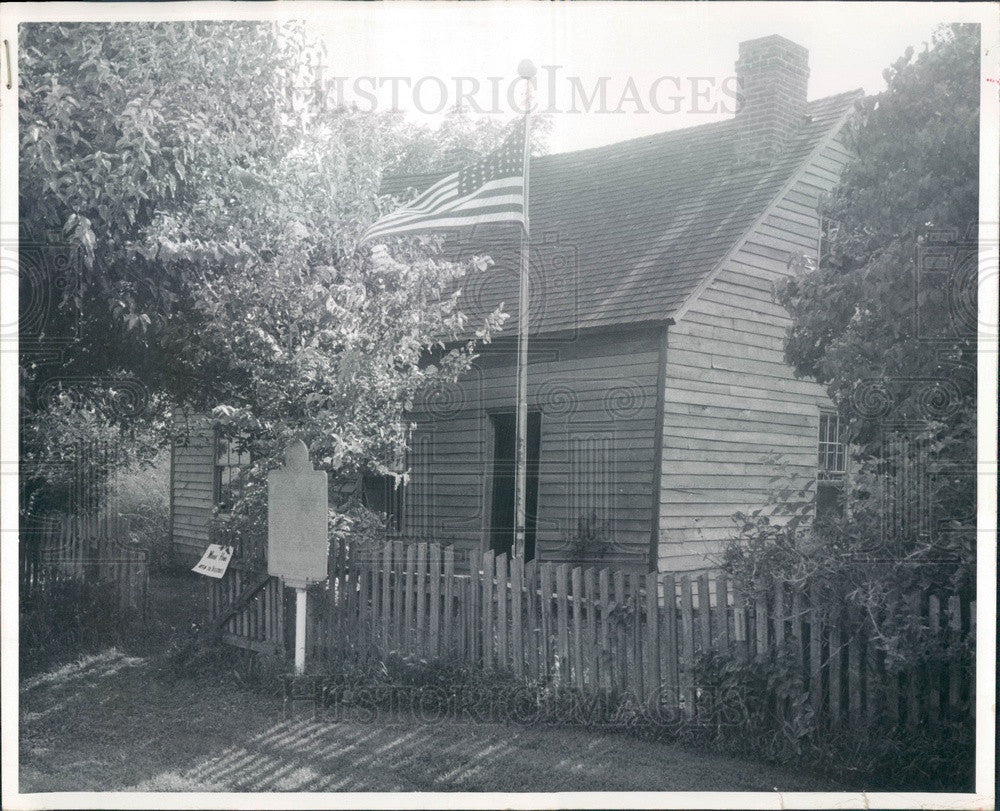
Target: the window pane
(832, 449)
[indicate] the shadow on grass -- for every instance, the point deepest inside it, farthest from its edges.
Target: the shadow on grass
(314, 755)
(117, 722)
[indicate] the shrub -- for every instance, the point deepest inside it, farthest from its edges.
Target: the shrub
(760, 708)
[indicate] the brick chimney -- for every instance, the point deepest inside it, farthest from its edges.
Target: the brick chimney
(773, 75)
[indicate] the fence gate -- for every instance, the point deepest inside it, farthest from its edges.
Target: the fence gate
(247, 610)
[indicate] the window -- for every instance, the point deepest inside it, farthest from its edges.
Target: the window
(832, 449)
(832, 466)
(383, 495)
(231, 459)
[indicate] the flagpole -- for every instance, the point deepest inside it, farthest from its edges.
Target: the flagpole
(526, 70)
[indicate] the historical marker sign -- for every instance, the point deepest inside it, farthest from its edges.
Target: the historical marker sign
(297, 540)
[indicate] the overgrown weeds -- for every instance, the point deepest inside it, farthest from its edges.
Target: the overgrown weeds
(761, 708)
(70, 617)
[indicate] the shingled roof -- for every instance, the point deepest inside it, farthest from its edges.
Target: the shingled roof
(625, 233)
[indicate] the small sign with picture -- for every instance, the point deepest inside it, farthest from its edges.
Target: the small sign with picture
(215, 561)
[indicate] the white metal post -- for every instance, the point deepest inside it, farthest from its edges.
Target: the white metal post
(527, 70)
(300, 631)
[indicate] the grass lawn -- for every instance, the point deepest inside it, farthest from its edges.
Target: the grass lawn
(124, 720)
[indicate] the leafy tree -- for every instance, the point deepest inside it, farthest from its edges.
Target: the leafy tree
(888, 319)
(119, 122)
(208, 204)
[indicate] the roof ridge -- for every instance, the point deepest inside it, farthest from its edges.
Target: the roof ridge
(654, 137)
(696, 129)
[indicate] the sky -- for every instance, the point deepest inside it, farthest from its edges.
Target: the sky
(672, 62)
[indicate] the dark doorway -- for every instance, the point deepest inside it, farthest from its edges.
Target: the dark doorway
(502, 512)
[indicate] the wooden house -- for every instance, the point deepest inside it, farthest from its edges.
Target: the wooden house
(660, 402)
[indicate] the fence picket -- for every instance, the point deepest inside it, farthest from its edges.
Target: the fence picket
(475, 603)
(798, 637)
(353, 601)
(398, 592)
(621, 655)
(488, 632)
(686, 631)
(954, 641)
(912, 677)
(834, 659)
(815, 649)
(653, 639)
(503, 661)
(234, 589)
(934, 681)
(638, 673)
(562, 622)
(545, 599)
(420, 628)
(604, 652)
(576, 582)
(462, 618)
(361, 635)
(853, 670)
(434, 562)
(446, 647)
(670, 644)
(532, 632)
(336, 614)
(704, 612)
(386, 602)
(410, 599)
(874, 698)
(516, 609)
(739, 620)
(778, 613)
(722, 612)
(590, 637)
(266, 599)
(760, 624)
(260, 632)
(281, 611)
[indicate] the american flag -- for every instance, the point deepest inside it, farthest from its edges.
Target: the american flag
(490, 190)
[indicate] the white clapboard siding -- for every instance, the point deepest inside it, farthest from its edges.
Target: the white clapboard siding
(731, 402)
(191, 486)
(597, 394)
